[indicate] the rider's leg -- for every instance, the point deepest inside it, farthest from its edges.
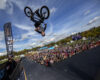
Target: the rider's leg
(38, 31)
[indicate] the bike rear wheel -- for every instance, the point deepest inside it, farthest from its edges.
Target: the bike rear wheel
(44, 11)
(28, 12)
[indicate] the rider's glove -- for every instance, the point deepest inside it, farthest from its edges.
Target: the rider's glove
(45, 24)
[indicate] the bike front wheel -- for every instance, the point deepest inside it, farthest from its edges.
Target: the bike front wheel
(44, 11)
(28, 12)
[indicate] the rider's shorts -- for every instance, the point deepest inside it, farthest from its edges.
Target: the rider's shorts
(37, 24)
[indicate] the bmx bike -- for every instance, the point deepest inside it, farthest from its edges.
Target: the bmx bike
(39, 15)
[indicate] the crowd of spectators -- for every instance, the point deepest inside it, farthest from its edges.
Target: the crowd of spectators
(63, 52)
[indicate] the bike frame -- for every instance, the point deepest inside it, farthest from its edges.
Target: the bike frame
(39, 15)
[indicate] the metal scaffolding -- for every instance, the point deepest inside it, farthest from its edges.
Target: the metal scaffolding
(8, 38)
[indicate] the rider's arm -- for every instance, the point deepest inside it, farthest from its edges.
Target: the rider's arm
(38, 31)
(45, 27)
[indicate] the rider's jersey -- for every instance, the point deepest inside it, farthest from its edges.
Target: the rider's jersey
(41, 29)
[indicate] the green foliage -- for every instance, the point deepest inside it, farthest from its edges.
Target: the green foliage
(93, 32)
(3, 57)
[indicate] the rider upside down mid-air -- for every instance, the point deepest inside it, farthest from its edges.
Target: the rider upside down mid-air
(39, 28)
(38, 18)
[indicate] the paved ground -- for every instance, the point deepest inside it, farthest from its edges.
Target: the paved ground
(83, 66)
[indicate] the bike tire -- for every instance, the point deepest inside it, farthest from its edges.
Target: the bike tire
(48, 12)
(30, 11)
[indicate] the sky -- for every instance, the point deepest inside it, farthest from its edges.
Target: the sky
(66, 17)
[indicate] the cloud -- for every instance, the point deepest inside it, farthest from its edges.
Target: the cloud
(23, 27)
(2, 45)
(3, 53)
(3, 4)
(19, 3)
(28, 35)
(29, 31)
(30, 43)
(93, 20)
(87, 12)
(53, 10)
(73, 33)
(50, 29)
(22, 4)
(7, 6)
(1, 35)
(46, 1)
